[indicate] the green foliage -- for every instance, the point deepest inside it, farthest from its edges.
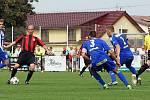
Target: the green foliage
(17, 31)
(15, 13)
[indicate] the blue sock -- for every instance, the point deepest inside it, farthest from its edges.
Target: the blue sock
(98, 78)
(2, 65)
(132, 69)
(123, 78)
(113, 76)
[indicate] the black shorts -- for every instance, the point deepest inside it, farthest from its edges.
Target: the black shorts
(87, 62)
(26, 58)
(148, 54)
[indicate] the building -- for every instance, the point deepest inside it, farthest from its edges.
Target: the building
(143, 22)
(52, 28)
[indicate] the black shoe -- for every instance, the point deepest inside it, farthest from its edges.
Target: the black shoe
(27, 83)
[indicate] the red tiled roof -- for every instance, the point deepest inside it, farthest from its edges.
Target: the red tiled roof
(111, 18)
(144, 20)
(75, 19)
(56, 20)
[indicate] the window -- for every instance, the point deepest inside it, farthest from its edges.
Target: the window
(72, 35)
(45, 35)
(123, 30)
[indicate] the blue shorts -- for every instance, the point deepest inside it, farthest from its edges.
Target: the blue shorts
(109, 65)
(3, 56)
(127, 60)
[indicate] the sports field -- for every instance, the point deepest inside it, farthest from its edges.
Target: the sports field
(69, 86)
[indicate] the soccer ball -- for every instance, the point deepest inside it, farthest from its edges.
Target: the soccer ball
(14, 80)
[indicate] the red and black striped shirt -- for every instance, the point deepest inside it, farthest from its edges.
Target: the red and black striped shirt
(28, 42)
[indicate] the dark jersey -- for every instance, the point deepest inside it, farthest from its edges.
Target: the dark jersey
(28, 42)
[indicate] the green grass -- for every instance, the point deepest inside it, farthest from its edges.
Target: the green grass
(69, 86)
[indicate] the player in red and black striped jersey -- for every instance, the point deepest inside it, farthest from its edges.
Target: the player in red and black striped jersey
(27, 57)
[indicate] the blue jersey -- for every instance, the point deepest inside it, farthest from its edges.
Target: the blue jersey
(1, 41)
(121, 40)
(96, 48)
(3, 55)
(125, 52)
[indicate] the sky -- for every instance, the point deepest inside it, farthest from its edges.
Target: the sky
(133, 7)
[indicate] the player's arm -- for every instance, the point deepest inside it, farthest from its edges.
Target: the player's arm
(46, 49)
(117, 50)
(15, 42)
(113, 56)
(6, 43)
(84, 52)
(41, 43)
(11, 44)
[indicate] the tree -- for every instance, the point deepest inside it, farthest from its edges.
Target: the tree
(15, 13)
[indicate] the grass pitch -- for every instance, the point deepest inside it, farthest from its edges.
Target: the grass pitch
(69, 86)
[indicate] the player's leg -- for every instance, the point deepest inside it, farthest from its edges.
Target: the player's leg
(123, 79)
(98, 78)
(112, 67)
(20, 62)
(4, 60)
(30, 73)
(128, 65)
(31, 63)
(14, 71)
(89, 67)
(132, 69)
(112, 75)
(67, 64)
(143, 68)
(113, 78)
(87, 63)
(83, 69)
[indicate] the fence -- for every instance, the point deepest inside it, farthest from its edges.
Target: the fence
(50, 63)
(39, 61)
(136, 39)
(59, 63)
